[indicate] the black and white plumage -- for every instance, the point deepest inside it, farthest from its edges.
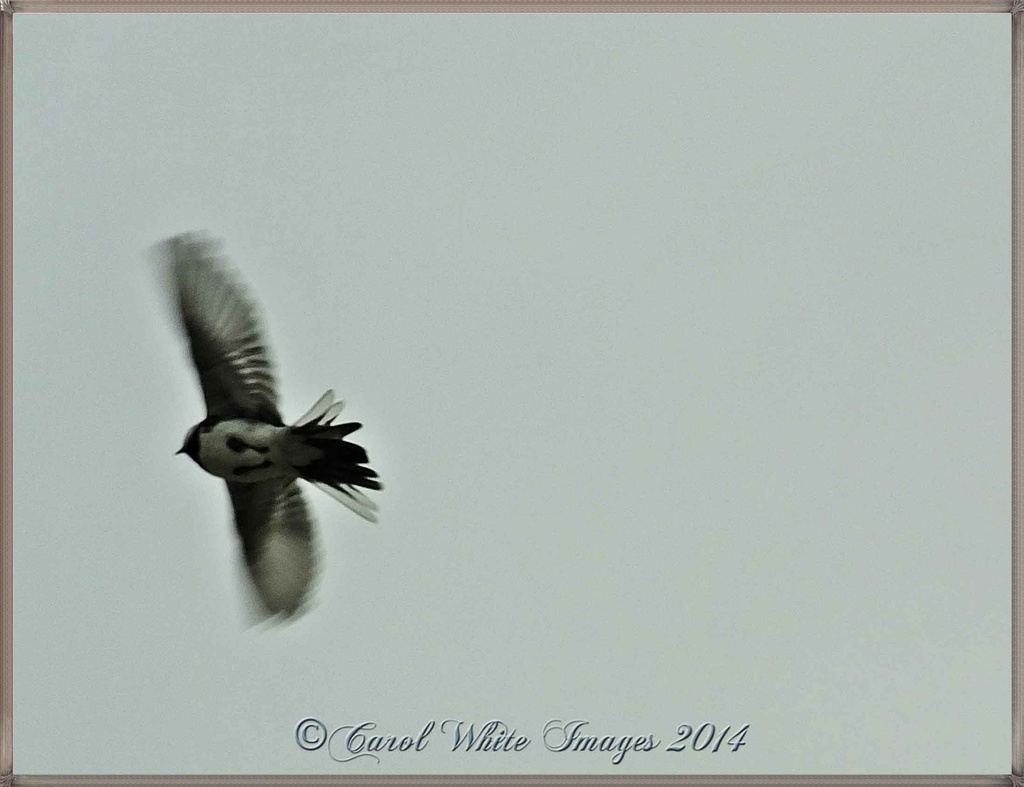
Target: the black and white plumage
(243, 438)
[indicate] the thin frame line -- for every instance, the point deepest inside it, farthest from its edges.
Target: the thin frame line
(513, 6)
(7, 407)
(1017, 388)
(553, 780)
(505, 6)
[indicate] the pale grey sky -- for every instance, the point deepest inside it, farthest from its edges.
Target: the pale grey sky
(682, 345)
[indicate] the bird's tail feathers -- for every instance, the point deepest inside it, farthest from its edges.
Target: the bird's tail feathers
(324, 410)
(339, 466)
(351, 498)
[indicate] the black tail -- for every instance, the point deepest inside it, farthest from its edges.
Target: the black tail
(339, 466)
(341, 463)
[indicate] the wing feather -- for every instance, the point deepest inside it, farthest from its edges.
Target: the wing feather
(278, 543)
(223, 330)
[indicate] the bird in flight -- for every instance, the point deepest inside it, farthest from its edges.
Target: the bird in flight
(244, 439)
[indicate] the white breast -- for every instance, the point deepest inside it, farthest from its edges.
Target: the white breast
(243, 450)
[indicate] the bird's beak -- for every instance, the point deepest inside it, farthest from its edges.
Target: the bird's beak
(179, 451)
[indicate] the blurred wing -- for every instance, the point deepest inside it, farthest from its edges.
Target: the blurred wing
(223, 331)
(277, 542)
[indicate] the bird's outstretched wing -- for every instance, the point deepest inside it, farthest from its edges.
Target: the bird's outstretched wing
(278, 542)
(223, 329)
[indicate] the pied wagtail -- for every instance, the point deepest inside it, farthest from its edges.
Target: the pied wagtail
(243, 438)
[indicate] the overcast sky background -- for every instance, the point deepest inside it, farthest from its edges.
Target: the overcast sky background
(682, 346)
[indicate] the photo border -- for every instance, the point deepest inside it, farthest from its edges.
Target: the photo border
(10, 8)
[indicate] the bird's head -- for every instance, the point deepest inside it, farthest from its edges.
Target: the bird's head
(191, 444)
